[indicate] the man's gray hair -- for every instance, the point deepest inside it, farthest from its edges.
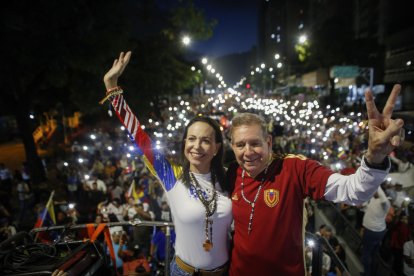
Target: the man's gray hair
(248, 119)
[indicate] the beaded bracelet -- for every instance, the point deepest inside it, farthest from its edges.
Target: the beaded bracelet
(112, 92)
(116, 88)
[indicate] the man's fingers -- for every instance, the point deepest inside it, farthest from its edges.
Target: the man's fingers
(395, 132)
(372, 110)
(389, 106)
(397, 140)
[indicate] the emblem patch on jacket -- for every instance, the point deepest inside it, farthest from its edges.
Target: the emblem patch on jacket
(271, 197)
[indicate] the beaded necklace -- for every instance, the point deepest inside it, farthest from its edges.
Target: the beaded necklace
(252, 203)
(210, 207)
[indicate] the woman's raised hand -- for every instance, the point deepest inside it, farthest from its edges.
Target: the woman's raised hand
(111, 77)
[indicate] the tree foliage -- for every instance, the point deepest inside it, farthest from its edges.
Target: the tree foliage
(57, 52)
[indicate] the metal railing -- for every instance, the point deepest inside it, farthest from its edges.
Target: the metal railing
(134, 223)
(317, 251)
(317, 254)
(347, 231)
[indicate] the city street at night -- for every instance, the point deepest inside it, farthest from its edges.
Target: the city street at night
(193, 137)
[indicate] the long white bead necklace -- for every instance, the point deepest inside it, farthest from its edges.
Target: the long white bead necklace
(210, 207)
(252, 203)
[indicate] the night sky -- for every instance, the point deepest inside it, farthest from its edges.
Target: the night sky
(236, 29)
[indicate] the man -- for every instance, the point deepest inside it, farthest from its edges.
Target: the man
(141, 236)
(269, 191)
(374, 228)
(88, 185)
(115, 207)
(409, 256)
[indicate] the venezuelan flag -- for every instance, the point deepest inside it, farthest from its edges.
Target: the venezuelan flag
(153, 158)
(342, 155)
(47, 216)
(132, 192)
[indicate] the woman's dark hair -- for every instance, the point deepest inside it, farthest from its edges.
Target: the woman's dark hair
(217, 169)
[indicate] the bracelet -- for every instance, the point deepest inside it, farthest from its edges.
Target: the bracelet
(119, 91)
(116, 88)
(383, 166)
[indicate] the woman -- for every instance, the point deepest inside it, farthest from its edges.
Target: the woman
(196, 191)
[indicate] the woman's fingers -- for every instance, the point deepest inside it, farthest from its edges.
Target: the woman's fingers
(127, 56)
(125, 61)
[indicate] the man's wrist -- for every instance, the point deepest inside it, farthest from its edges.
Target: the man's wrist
(375, 159)
(379, 166)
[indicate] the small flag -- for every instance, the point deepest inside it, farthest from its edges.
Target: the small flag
(47, 216)
(132, 192)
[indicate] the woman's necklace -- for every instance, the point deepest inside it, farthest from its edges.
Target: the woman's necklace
(252, 203)
(210, 207)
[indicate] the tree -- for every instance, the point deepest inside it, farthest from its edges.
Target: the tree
(49, 45)
(57, 52)
(159, 67)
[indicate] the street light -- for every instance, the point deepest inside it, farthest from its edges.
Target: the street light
(204, 60)
(303, 38)
(186, 40)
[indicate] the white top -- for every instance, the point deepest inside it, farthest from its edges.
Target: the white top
(399, 198)
(355, 189)
(408, 252)
(101, 186)
(5, 174)
(326, 261)
(189, 219)
(131, 211)
(117, 211)
(376, 211)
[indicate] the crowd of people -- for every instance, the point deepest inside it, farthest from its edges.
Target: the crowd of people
(106, 178)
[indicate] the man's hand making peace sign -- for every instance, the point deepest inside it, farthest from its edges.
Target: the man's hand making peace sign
(385, 134)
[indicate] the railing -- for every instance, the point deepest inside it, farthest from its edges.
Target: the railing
(350, 235)
(134, 223)
(316, 250)
(344, 228)
(317, 254)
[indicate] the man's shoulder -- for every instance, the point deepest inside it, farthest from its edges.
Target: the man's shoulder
(292, 156)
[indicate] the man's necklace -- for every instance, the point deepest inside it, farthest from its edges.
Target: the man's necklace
(210, 207)
(252, 203)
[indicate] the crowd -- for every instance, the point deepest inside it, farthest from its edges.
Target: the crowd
(103, 178)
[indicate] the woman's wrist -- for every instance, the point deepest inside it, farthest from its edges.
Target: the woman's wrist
(109, 84)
